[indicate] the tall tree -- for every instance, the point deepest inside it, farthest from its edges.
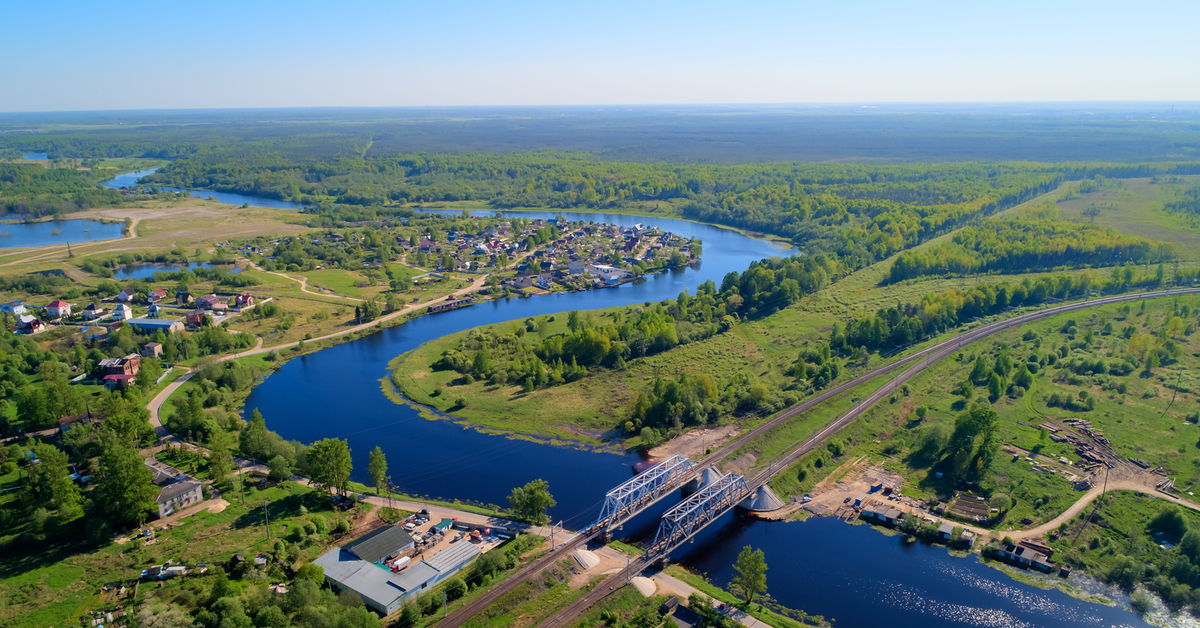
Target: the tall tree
(751, 578)
(532, 500)
(255, 438)
(377, 467)
(329, 464)
(126, 491)
(220, 461)
(52, 481)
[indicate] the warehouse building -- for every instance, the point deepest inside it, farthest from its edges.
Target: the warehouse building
(346, 569)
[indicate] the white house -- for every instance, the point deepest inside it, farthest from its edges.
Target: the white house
(16, 308)
(607, 272)
(577, 267)
(127, 295)
(122, 312)
(58, 309)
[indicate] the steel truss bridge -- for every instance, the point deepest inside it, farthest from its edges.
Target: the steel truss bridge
(627, 500)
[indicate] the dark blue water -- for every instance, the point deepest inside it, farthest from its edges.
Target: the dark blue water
(144, 271)
(129, 179)
(18, 235)
(864, 578)
(34, 156)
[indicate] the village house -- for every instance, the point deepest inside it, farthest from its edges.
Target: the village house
(16, 308)
(128, 365)
(1030, 554)
(156, 296)
(126, 295)
(543, 281)
(91, 312)
(58, 309)
(522, 282)
(176, 493)
(209, 302)
(30, 324)
(122, 312)
(153, 349)
(243, 301)
(183, 297)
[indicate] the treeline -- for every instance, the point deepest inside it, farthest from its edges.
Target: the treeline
(936, 312)
(1187, 203)
(1024, 246)
(864, 213)
(33, 191)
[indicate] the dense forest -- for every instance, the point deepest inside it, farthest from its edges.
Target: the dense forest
(1023, 246)
(34, 191)
(683, 134)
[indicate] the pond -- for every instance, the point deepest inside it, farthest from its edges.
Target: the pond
(21, 235)
(147, 270)
(34, 156)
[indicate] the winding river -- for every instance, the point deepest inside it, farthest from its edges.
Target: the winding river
(850, 573)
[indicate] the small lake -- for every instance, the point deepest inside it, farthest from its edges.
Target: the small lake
(21, 235)
(34, 156)
(145, 271)
(130, 179)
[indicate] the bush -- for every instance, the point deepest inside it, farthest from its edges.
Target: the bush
(390, 515)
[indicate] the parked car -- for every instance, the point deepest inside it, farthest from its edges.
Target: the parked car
(457, 537)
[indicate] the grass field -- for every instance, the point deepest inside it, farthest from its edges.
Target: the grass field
(1136, 208)
(1140, 422)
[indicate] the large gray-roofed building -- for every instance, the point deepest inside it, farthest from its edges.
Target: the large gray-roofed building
(379, 544)
(375, 585)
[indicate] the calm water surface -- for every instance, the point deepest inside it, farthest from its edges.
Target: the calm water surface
(34, 156)
(851, 573)
(145, 271)
(129, 179)
(18, 235)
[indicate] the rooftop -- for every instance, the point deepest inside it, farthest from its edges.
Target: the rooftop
(376, 546)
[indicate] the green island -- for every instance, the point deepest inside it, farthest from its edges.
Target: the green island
(135, 482)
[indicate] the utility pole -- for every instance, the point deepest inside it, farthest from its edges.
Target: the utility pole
(268, 516)
(443, 603)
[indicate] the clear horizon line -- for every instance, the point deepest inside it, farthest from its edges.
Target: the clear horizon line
(814, 104)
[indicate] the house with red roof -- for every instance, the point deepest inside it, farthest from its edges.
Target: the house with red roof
(58, 309)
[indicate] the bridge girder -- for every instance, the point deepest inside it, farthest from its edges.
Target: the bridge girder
(697, 511)
(626, 500)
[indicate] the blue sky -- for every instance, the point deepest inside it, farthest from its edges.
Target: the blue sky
(76, 55)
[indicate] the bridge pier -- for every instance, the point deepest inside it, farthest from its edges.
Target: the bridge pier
(763, 500)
